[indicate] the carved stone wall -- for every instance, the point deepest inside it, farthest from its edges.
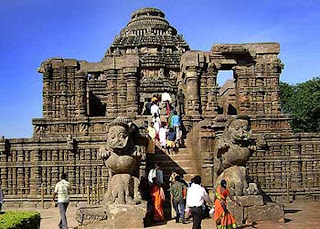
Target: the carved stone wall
(149, 57)
(256, 71)
(286, 162)
(27, 163)
(291, 159)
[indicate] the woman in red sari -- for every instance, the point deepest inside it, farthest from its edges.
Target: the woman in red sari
(223, 218)
(157, 195)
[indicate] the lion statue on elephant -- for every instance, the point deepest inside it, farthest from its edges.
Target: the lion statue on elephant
(231, 153)
(122, 156)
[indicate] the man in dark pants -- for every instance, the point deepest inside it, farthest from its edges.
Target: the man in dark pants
(148, 107)
(196, 195)
(62, 189)
(177, 193)
(181, 99)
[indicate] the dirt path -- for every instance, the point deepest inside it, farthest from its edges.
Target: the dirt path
(298, 215)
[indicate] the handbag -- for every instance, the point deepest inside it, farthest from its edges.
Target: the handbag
(211, 212)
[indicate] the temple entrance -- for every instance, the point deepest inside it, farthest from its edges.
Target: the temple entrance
(227, 93)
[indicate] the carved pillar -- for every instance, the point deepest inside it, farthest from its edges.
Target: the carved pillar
(14, 184)
(47, 90)
(53, 175)
(3, 166)
(296, 176)
(10, 180)
(4, 177)
(78, 178)
(72, 162)
(210, 109)
(3, 163)
(206, 143)
(203, 93)
(87, 171)
(272, 84)
(63, 93)
(35, 174)
(20, 172)
(80, 94)
(112, 108)
(122, 94)
(192, 93)
(132, 97)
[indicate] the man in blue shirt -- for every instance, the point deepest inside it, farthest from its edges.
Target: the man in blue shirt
(176, 123)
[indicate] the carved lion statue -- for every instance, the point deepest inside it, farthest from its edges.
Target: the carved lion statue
(231, 153)
(122, 157)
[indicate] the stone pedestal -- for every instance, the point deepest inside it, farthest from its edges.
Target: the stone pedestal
(112, 216)
(270, 212)
(253, 209)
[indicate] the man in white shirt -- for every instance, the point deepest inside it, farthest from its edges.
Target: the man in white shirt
(156, 172)
(62, 189)
(196, 196)
(155, 110)
(165, 97)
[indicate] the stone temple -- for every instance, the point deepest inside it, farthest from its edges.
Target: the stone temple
(149, 56)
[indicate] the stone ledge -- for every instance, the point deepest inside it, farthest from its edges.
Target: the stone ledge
(247, 201)
(271, 212)
(112, 216)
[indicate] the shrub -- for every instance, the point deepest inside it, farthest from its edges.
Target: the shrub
(20, 220)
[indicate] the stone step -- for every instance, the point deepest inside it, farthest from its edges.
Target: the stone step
(162, 156)
(178, 156)
(181, 162)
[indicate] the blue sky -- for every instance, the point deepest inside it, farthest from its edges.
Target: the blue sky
(33, 30)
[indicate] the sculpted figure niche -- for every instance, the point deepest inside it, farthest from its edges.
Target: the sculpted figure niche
(231, 153)
(122, 156)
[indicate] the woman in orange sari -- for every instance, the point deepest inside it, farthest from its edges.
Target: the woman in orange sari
(223, 218)
(157, 195)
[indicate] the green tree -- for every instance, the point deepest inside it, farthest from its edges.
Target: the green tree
(302, 101)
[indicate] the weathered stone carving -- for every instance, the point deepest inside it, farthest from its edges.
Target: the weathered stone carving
(236, 179)
(81, 98)
(122, 155)
(122, 158)
(172, 75)
(231, 153)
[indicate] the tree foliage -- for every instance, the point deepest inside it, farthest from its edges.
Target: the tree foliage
(302, 101)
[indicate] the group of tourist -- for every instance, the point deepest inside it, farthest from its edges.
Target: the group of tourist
(167, 130)
(188, 200)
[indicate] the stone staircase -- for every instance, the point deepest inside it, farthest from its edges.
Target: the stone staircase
(181, 162)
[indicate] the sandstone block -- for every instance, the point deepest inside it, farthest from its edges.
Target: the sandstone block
(270, 212)
(247, 201)
(237, 212)
(112, 216)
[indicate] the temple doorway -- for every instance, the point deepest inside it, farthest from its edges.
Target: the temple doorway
(227, 93)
